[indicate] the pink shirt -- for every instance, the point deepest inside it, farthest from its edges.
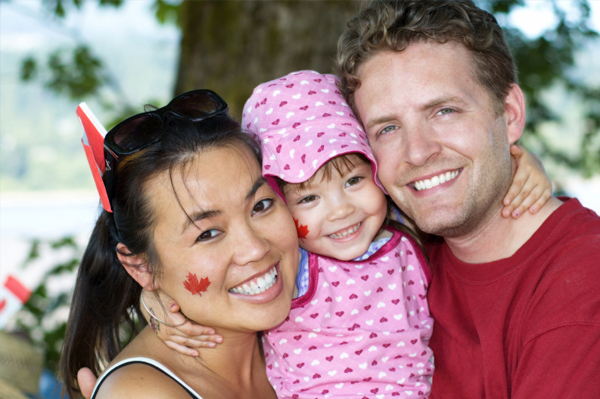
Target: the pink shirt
(361, 330)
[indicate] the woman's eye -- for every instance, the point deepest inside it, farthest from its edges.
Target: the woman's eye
(308, 198)
(262, 205)
(353, 180)
(208, 234)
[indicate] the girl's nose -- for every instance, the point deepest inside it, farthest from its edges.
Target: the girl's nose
(340, 208)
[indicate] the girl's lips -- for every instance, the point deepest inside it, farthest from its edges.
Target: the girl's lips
(357, 230)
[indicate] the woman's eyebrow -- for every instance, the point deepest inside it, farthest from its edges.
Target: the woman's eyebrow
(198, 216)
(255, 187)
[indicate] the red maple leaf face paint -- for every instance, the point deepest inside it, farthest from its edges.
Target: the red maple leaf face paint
(194, 286)
(302, 230)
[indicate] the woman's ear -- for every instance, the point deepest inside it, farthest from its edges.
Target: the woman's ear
(137, 267)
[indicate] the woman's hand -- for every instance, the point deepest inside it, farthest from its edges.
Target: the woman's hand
(87, 381)
(531, 188)
(184, 338)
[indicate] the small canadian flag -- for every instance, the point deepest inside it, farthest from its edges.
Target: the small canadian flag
(13, 294)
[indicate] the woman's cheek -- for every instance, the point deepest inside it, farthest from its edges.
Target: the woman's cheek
(195, 285)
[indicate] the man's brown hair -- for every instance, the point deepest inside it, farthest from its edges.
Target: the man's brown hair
(393, 25)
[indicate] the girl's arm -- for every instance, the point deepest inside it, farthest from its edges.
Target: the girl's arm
(531, 187)
(184, 338)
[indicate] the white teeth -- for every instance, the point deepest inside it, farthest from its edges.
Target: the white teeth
(435, 181)
(345, 232)
(257, 286)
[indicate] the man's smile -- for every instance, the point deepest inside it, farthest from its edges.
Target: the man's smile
(426, 184)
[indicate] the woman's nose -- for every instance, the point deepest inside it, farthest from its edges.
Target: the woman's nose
(250, 246)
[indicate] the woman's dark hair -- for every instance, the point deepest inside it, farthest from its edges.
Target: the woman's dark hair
(106, 299)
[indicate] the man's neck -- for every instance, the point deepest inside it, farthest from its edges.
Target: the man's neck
(499, 237)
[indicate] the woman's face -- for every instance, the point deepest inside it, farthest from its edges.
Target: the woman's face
(226, 243)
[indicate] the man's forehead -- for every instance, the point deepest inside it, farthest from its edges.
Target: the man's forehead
(421, 75)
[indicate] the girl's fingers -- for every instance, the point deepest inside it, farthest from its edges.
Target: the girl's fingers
(184, 350)
(541, 201)
(192, 342)
(517, 151)
(519, 181)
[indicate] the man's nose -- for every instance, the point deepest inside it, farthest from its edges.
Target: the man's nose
(421, 143)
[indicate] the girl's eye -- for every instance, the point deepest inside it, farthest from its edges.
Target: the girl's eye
(263, 205)
(208, 234)
(445, 111)
(308, 198)
(353, 180)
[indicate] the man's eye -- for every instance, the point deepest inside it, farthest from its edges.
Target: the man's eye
(445, 111)
(262, 205)
(388, 129)
(208, 234)
(353, 180)
(308, 198)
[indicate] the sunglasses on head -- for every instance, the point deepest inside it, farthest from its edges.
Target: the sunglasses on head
(142, 130)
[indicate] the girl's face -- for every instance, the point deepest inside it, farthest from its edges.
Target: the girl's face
(226, 243)
(338, 217)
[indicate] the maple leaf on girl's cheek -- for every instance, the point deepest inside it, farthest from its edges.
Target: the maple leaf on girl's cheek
(194, 286)
(302, 230)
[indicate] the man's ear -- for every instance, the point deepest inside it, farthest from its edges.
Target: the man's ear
(137, 267)
(514, 107)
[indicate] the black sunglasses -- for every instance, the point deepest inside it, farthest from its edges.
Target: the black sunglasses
(142, 130)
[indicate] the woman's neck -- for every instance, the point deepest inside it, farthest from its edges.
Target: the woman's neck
(234, 369)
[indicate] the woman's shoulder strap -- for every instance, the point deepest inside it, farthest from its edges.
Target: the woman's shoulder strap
(151, 362)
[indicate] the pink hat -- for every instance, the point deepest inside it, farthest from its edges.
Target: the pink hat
(302, 121)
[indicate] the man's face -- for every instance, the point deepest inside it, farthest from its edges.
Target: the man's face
(441, 146)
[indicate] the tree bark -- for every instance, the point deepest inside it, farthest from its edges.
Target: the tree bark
(232, 46)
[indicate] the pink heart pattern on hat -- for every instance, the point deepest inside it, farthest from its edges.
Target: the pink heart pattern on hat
(302, 121)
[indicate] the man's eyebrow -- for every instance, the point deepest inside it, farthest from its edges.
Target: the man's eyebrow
(255, 187)
(432, 104)
(435, 102)
(380, 120)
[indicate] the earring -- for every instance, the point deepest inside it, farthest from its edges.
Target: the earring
(156, 318)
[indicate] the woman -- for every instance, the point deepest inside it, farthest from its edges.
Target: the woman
(189, 213)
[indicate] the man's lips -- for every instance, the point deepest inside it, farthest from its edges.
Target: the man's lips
(436, 180)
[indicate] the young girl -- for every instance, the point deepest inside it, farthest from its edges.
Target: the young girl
(359, 324)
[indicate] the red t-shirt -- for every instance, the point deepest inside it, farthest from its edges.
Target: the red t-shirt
(527, 326)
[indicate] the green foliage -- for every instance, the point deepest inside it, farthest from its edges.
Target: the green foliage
(546, 62)
(76, 75)
(40, 316)
(166, 11)
(59, 8)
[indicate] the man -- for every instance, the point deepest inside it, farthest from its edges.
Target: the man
(516, 302)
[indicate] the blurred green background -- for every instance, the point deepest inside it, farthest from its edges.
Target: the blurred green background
(118, 55)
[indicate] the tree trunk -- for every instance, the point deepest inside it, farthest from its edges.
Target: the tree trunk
(232, 46)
